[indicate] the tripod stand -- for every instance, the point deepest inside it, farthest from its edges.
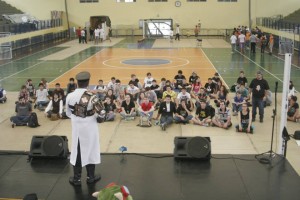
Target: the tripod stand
(268, 156)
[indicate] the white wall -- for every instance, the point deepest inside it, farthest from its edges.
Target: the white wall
(212, 14)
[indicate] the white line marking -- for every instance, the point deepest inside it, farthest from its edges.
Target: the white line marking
(260, 66)
(76, 66)
(21, 70)
(223, 81)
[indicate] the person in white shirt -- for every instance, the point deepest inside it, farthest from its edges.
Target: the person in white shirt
(133, 90)
(100, 90)
(41, 97)
(102, 32)
(177, 31)
(184, 95)
(148, 80)
(83, 36)
(171, 35)
(291, 90)
(242, 39)
(97, 35)
(233, 40)
(2, 95)
(55, 106)
(111, 84)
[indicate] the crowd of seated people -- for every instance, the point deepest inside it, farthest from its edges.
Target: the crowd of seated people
(177, 100)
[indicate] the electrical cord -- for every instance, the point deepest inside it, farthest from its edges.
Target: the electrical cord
(234, 158)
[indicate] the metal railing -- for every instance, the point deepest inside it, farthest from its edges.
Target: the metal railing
(280, 25)
(29, 27)
(277, 24)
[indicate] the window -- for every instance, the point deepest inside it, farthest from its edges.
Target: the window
(227, 0)
(88, 1)
(196, 0)
(126, 1)
(157, 0)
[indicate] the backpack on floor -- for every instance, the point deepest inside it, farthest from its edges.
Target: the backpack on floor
(33, 120)
(144, 122)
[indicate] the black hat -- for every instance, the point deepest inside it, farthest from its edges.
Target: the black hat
(81, 76)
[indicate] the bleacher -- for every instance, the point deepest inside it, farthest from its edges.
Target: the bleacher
(293, 17)
(7, 9)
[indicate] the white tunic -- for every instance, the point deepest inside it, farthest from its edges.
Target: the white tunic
(85, 130)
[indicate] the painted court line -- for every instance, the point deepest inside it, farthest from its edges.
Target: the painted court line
(223, 81)
(260, 66)
(76, 66)
(21, 71)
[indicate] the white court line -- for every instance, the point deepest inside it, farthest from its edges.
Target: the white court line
(77, 65)
(260, 66)
(22, 70)
(223, 81)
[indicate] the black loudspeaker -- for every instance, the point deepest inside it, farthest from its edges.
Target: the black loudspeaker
(49, 147)
(297, 135)
(197, 148)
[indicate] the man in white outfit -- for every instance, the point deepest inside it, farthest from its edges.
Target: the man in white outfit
(81, 107)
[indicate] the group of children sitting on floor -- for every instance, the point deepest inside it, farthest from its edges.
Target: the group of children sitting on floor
(143, 98)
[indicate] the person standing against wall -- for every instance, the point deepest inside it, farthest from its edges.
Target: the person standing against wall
(196, 31)
(78, 33)
(177, 32)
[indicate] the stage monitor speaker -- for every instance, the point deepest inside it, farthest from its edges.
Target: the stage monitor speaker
(197, 148)
(297, 135)
(49, 147)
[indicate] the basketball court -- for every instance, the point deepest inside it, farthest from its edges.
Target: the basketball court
(121, 58)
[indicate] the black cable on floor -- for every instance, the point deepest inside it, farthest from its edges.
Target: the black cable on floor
(234, 158)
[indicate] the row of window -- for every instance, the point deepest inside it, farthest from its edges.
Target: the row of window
(130, 1)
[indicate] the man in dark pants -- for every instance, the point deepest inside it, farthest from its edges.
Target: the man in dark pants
(81, 107)
(166, 110)
(253, 41)
(258, 87)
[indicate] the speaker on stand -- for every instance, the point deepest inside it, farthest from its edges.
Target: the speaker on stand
(49, 147)
(197, 148)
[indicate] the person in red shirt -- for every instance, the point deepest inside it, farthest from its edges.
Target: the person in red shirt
(146, 108)
(78, 33)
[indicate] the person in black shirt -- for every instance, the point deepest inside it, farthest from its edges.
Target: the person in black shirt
(128, 108)
(241, 80)
(245, 120)
(110, 108)
(155, 87)
(71, 86)
(210, 87)
(216, 78)
(178, 81)
(204, 114)
(258, 87)
(166, 111)
(183, 114)
(293, 110)
(193, 78)
(61, 93)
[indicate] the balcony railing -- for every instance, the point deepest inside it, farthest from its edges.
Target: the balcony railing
(29, 27)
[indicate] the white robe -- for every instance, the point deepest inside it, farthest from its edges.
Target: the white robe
(85, 130)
